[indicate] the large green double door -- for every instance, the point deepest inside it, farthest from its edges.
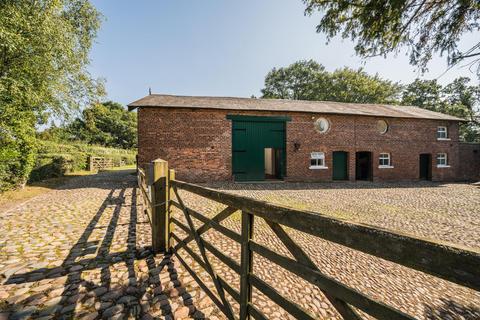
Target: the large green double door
(250, 137)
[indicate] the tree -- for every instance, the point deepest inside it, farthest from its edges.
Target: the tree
(458, 98)
(44, 47)
(308, 80)
(107, 124)
(426, 94)
(302, 80)
(348, 85)
(382, 27)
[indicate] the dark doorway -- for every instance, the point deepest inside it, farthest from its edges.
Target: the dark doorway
(340, 165)
(363, 165)
(272, 163)
(425, 166)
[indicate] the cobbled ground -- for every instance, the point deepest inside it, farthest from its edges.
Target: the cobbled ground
(83, 251)
(445, 212)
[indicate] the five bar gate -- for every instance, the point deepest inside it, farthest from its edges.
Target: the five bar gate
(159, 188)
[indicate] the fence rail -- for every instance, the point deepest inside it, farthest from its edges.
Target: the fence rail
(452, 263)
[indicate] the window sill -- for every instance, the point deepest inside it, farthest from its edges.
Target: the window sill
(443, 139)
(317, 167)
(443, 166)
(385, 167)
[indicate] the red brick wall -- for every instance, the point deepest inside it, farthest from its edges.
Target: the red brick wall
(469, 166)
(197, 143)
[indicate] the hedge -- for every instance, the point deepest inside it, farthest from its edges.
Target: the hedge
(54, 159)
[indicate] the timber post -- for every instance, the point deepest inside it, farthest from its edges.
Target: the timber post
(170, 224)
(246, 264)
(160, 204)
(90, 163)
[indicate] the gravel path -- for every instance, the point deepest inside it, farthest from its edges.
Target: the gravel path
(82, 252)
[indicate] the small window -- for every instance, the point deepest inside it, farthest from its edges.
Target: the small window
(382, 126)
(442, 160)
(442, 133)
(322, 125)
(384, 160)
(317, 160)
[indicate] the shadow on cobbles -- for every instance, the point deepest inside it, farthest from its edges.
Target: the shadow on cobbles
(139, 297)
(452, 310)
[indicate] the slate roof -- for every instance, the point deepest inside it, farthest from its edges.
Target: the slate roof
(280, 105)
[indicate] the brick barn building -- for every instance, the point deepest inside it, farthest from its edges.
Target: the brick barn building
(241, 139)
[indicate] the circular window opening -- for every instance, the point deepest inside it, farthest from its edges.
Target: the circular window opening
(382, 126)
(322, 125)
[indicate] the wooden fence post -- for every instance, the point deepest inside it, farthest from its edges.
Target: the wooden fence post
(171, 226)
(246, 264)
(160, 202)
(90, 162)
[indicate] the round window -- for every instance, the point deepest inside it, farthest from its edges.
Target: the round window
(382, 126)
(322, 125)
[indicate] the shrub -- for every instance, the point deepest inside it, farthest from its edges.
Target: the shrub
(17, 155)
(50, 168)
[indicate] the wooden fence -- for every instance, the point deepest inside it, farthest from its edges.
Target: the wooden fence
(99, 163)
(449, 262)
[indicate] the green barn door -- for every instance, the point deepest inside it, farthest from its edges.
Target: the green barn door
(250, 136)
(247, 152)
(239, 151)
(340, 165)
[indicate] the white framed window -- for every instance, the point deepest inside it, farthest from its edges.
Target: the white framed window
(442, 160)
(384, 160)
(442, 133)
(317, 160)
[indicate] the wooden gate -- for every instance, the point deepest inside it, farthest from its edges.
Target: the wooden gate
(454, 264)
(99, 163)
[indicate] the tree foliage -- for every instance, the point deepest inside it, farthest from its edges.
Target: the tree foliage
(44, 47)
(107, 124)
(381, 27)
(308, 80)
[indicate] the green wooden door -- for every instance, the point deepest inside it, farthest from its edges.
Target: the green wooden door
(340, 165)
(250, 136)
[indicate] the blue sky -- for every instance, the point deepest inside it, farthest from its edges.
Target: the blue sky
(222, 47)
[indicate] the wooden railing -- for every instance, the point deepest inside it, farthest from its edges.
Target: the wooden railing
(449, 262)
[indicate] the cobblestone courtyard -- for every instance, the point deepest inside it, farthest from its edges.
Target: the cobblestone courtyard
(81, 252)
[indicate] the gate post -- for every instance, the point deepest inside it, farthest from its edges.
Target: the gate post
(171, 226)
(160, 204)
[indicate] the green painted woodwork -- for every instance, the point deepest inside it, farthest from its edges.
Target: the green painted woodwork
(340, 165)
(258, 118)
(250, 137)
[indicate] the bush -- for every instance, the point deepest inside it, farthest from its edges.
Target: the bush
(54, 159)
(17, 155)
(50, 168)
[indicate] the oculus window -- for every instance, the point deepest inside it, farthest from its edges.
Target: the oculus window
(322, 125)
(382, 126)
